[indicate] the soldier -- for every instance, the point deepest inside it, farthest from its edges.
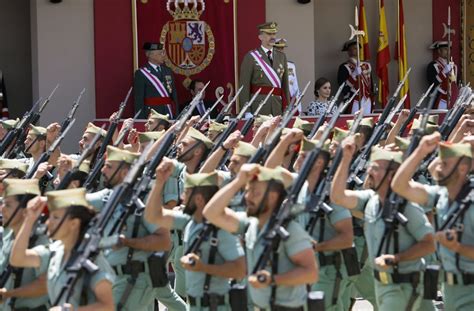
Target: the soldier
(442, 72)
(25, 288)
(453, 189)
(280, 45)
(265, 68)
(157, 122)
(69, 217)
(133, 288)
(282, 286)
(355, 74)
(220, 256)
(215, 129)
(6, 125)
(154, 84)
(395, 253)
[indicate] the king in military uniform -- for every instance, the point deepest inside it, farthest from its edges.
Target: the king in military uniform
(265, 68)
(154, 84)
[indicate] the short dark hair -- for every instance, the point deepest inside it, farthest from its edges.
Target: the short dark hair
(192, 85)
(318, 84)
(83, 213)
(206, 191)
(24, 198)
(366, 130)
(16, 173)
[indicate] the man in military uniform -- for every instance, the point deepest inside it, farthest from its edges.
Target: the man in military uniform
(280, 45)
(454, 224)
(356, 75)
(395, 250)
(220, 256)
(442, 72)
(154, 84)
(265, 68)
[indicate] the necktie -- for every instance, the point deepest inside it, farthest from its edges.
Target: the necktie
(269, 53)
(201, 108)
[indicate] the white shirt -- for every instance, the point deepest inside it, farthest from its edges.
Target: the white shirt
(266, 51)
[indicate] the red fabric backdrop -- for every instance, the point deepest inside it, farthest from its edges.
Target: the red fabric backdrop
(440, 17)
(114, 49)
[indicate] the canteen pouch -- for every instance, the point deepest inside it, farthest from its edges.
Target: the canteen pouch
(238, 297)
(351, 261)
(315, 301)
(430, 282)
(157, 267)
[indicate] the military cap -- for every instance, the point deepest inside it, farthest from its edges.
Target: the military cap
(449, 150)
(364, 122)
(402, 143)
(261, 118)
(217, 127)
(85, 166)
(155, 115)
(280, 43)
(93, 129)
(439, 44)
(9, 124)
(378, 153)
(152, 46)
(303, 125)
(270, 27)
(245, 149)
(201, 180)
(20, 187)
(65, 198)
(12, 164)
(308, 145)
(37, 130)
(430, 128)
(432, 119)
(144, 137)
(278, 174)
(195, 134)
(348, 44)
(117, 154)
(339, 134)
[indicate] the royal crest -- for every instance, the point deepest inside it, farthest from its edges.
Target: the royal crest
(189, 42)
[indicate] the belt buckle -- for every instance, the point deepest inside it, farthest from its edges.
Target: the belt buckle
(450, 278)
(383, 276)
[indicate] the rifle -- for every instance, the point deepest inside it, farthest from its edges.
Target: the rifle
(414, 110)
(322, 118)
(207, 113)
(454, 118)
(297, 100)
(226, 109)
(72, 112)
(125, 130)
(276, 228)
(85, 153)
(36, 116)
(47, 154)
(88, 249)
(457, 105)
(358, 165)
(91, 181)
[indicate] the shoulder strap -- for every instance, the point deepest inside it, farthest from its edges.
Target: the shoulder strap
(212, 256)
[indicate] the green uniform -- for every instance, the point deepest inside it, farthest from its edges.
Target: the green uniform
(458, 284)
(143, 293)
(228, 249)
(393, 295)
(51, 261)
(236, 202)
(28, 275)
(252, 77)
(299, 240)
(144, 89)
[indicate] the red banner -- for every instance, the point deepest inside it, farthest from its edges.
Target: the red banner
(440, 25)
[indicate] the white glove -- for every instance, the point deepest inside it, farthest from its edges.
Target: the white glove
(447, 68)
(248, 115)
(357, 72)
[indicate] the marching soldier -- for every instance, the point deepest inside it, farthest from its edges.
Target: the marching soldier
(154, 84)
(283, 285)
(356, 74)
(280, 45)
(443, 73)
(449, 200)
(219, 257)
(265, 68)
(395, 253)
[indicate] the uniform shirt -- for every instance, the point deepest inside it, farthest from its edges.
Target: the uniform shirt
(417, 227)
(443, 210)
(28, 275)
(299, 240)
(51, 261)
(119, 256)
(228, 249)
(174, 186)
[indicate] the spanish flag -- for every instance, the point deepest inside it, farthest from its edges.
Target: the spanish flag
(383, 56)
(401, 54)
(364, 51)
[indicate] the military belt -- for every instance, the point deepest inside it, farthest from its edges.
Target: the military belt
(458, 278)
(207, 300)
(396, 278)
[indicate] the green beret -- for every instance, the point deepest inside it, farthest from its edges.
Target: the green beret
(448, 150)
(144, 137)
(9, 124)
(155, 115)
(12, 164)
(37, 130)
(117, 154)
(93, 129)
(201, 180)
(195, 134)
(378, 153)
(21, 187)
(339, 134)
(65, 198)
(308, 145)
(278, 174)
(245, 149)
(217, 127)
(402, 143)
